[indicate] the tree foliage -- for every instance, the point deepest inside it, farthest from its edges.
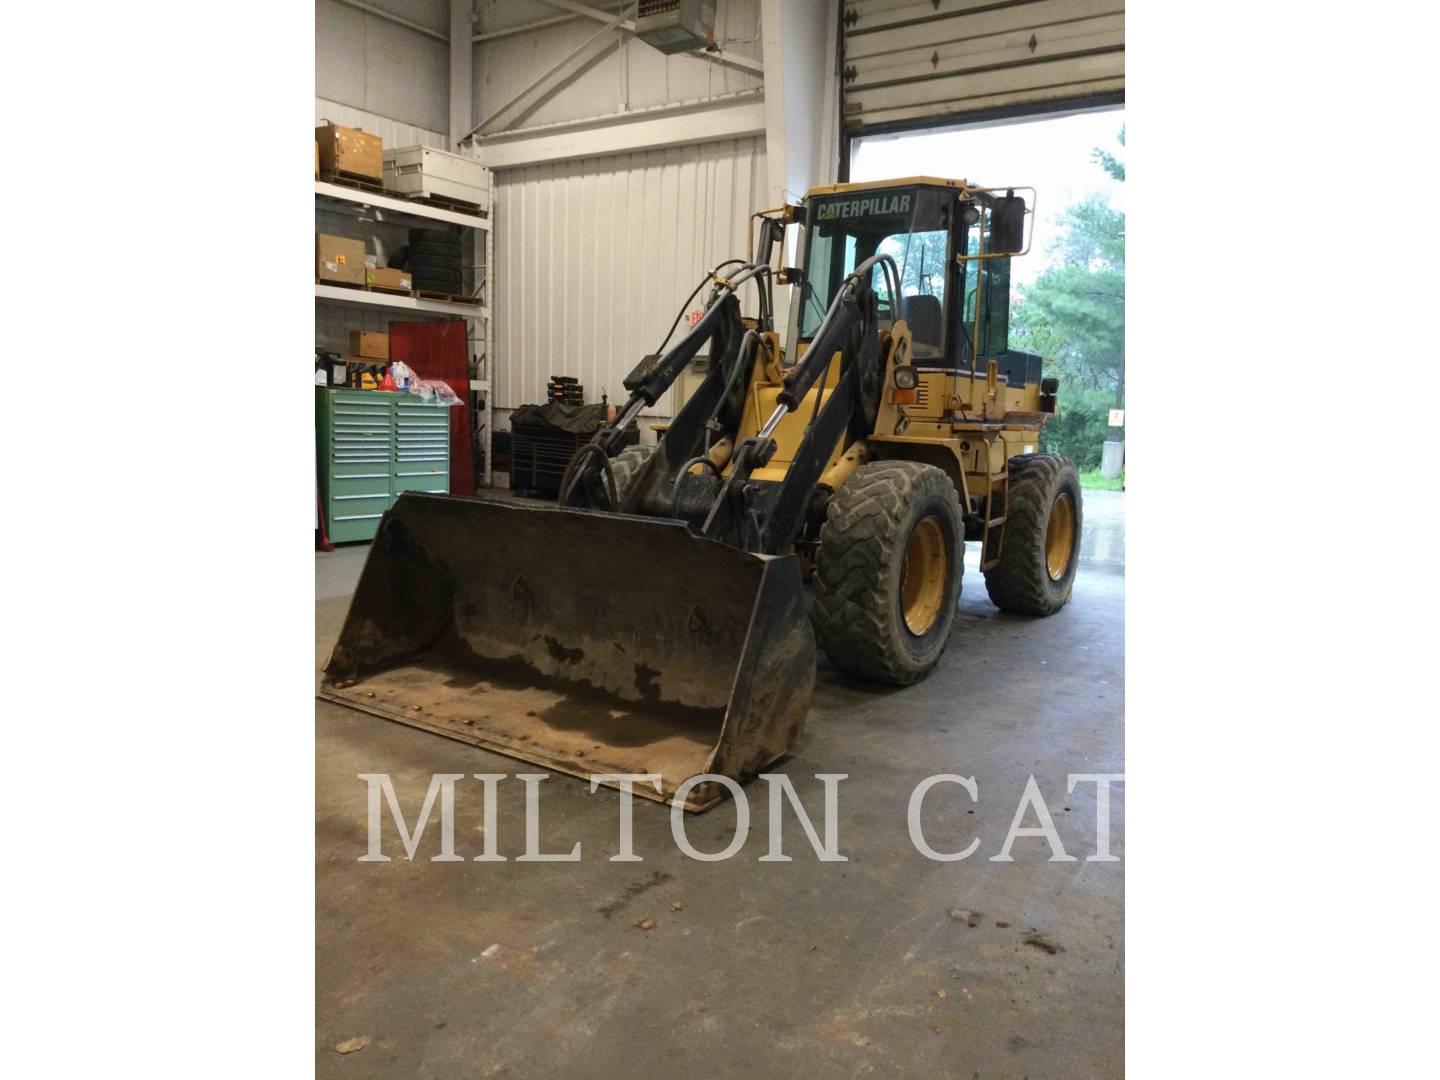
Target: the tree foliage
(1108, 161)
(1073, 315)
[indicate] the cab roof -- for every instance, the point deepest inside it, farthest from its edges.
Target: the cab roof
(967, 190)
(902, 181)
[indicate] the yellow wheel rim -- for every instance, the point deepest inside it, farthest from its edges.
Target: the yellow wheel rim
(1060, 537)
(923, 577)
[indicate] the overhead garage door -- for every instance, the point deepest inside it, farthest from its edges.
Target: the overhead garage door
(911, 64)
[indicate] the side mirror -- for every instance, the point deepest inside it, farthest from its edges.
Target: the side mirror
(1007, 226)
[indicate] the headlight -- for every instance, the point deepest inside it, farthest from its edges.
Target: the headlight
(906, 377)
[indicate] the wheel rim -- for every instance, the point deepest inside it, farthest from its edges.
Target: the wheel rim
(923, 577)
(1060, 537)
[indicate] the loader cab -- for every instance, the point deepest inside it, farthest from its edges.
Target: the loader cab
(924, 225)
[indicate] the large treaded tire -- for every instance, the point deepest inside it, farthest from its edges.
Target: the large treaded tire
(869, 524)
(422, 250)
(436, 236)
(1021, 581)
(626, 465)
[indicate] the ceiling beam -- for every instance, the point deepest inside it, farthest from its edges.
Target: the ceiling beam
(624, 133)
(587, 11)
(381, 13)
(731, 60)
(462, 79)
(715, 56)
(611, 23)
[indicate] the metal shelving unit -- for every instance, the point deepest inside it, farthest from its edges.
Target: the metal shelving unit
(400, 211)
(340, 294)
(410, 213)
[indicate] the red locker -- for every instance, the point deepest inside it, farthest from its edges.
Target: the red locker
(438, 350)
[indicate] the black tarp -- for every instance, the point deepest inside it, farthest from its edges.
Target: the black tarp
(576, 419)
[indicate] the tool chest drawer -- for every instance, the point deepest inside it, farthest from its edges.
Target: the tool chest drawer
(370, 446)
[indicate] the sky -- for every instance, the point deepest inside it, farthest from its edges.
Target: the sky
(1050, 155)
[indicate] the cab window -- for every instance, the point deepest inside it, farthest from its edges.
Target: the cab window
(909, 225)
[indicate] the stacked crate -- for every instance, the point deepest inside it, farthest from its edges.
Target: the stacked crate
(565, 390)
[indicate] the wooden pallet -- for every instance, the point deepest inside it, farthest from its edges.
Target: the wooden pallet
(449, 298)
(370, 184)
(418, 294)
(460, 206)
(356, 181)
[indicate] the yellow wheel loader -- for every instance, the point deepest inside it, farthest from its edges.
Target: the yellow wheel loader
(655, 621)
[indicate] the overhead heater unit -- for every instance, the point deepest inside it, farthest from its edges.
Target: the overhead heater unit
(676, 26)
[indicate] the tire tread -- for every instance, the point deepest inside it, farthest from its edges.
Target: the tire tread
(855, 612)
(1019, 583)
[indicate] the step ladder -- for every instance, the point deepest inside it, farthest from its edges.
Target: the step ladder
(994, 481)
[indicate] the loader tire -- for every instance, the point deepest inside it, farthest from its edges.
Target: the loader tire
(435, 236)
(888, 572)
(626, 465)
(1041, 545)
(422, 250)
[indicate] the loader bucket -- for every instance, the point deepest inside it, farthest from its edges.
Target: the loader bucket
(581, 641)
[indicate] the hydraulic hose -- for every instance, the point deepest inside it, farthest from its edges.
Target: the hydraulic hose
(681, 313)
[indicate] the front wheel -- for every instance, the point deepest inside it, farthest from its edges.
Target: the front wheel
(887, 574)
(1041, 546)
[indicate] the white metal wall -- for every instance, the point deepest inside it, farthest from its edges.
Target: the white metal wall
(919, 60)
(594, 257)
(382, 67)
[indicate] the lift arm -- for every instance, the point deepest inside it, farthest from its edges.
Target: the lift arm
(772, 530)
(588, 472)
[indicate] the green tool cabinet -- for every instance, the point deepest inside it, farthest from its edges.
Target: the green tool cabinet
(371, 446)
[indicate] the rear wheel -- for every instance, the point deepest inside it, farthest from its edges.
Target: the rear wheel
(1041, 546)
(888, 571)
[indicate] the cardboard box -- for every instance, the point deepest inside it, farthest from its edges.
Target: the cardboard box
(389, 278)
(350, 150)
(339, 260)
(367, 343)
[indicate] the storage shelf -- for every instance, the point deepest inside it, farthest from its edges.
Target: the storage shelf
(393, 301)
(395, 209)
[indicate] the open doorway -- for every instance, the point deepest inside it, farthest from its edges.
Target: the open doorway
(1068, 295)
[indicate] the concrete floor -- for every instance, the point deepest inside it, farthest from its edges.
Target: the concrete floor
(805, 969)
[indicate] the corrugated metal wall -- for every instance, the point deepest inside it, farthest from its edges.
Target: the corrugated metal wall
(594, 257)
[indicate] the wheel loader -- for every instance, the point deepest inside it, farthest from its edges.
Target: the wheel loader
(655, 621)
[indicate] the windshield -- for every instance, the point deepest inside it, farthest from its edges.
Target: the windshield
(909, 225)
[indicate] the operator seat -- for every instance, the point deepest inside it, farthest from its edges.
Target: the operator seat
(924, 315)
